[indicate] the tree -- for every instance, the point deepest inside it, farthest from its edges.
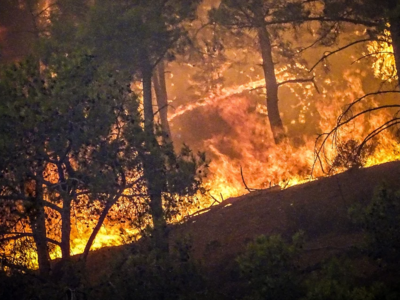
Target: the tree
(160, 88)
(269, 269)
(269, 20)
(153, 29)
(376, 16)
(61, 142)
(381, 21)
(139, 35)
(72, 145)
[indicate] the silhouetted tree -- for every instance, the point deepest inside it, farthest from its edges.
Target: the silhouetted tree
(268, 20)
(62, 145)
(376, 16)
(136, 36)
(72, 142)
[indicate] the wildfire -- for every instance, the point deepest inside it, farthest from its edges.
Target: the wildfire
(248, 144)
(246, 154)
(384, 65)
(243, 154)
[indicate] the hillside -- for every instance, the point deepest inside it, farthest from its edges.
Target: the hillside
(320, 208)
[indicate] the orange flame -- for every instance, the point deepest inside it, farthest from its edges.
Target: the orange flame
(246, 154)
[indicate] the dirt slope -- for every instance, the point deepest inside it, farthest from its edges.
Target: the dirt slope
(320, 208)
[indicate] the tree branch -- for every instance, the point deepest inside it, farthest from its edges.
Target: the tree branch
(340, 123)
(26, 234)
(52, 206)
(330, 53)
(244, 182)
(300, 80)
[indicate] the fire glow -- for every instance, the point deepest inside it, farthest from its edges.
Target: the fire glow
(243, 152)
(248, 154)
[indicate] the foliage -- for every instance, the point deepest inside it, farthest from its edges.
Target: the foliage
(151, 275)
(136, 30)
(382, 21)
(72, 145)
(60, 24)
(268, 23)
(28, 286)
(336, 281)
(184, 179)
(269, 267)
(277, 17)
(350, 155)
(381, 221)
(10, 286)
(61, 144)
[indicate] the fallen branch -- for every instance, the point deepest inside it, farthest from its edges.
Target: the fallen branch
(215, 200)
(244, 182)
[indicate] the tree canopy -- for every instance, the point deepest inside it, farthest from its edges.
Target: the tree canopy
(72, 145)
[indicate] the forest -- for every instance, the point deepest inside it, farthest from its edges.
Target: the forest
(123, 122)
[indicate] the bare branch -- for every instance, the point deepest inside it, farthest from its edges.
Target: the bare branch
(244, 182)
(300, 80)
(351, 105)
(377, 131)
(215, 200)
(318, 39)
(341, 122)
(52, 206)
(330, 53)
(17, 236)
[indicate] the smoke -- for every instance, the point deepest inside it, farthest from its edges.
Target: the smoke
(17, 32)
(218, 106)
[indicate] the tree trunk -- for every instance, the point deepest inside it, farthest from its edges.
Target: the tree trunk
(395, 35)
(147, 96)
(160, 234)
(38, 224)
(153, 164)
(271, 85)
(39, 235)
(162, 99)
(97, 228)
(66, 229)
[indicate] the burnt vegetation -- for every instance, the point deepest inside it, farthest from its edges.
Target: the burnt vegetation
(87, 143)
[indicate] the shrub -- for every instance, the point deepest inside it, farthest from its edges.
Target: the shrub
(336, 281)
(381, 221)
(269, 267)
(158, 276)
(350, 155)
